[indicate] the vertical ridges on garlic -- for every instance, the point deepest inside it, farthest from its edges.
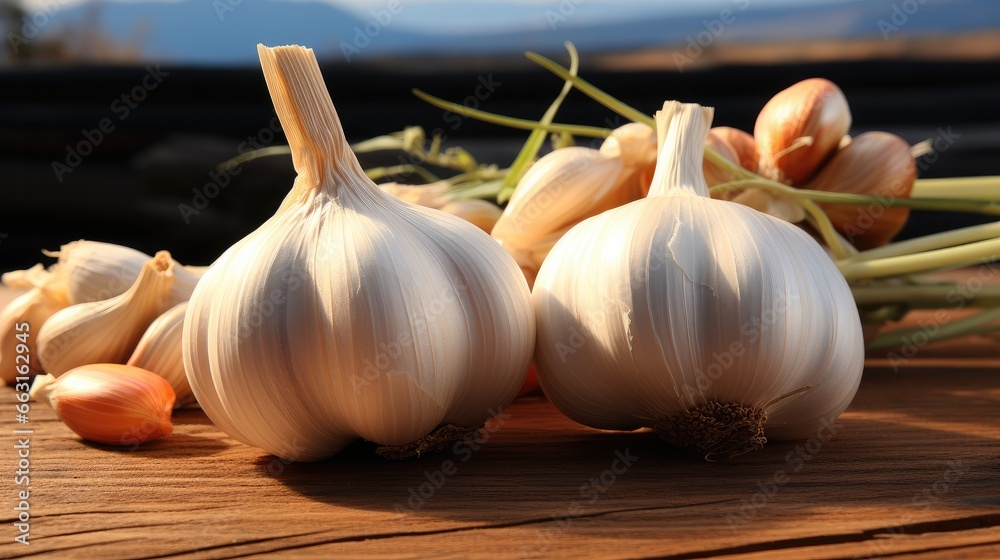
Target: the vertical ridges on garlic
(358, 315)
(45, 297)
(160, 351)
(681, 169)
(108, 330)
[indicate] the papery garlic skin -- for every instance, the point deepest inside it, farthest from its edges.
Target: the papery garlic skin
(569, 185)
(44, 299)
(96, 271)
(874, 164)
(357, 314)
(799, 129)
(160, 351)
(112, 404)
(671, 310)
(108, 330)
(480, 213)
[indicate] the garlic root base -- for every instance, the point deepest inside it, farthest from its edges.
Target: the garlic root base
(434, 442)
(717, 430)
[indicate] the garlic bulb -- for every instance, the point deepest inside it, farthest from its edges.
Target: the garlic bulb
(95, 271)
(800, 128)
(569, 185)
(45, 297)
(876, 164)
(351, 313)
(111, 403)
(108, 330)
(159, 351)
(704, 319)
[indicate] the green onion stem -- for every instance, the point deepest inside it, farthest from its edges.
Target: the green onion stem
(934, 296)
(592, 91)
(954, 329)
(512, 122)
(940, 259)
(931, 242)
(969, 188)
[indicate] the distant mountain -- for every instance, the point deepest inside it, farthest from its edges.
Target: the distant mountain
(196, 31)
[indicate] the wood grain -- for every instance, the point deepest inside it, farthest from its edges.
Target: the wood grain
(914, 471)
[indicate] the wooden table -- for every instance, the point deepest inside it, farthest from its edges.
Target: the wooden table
(913, 472)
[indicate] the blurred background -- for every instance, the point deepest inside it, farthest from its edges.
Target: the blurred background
(115, 114)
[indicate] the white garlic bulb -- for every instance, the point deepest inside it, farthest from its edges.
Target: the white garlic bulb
(95, 271)
(107, 330)
(351, 313)
(703, 319)
(159, 351)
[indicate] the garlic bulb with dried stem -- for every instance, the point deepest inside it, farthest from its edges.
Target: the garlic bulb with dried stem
(107, 330)
(22, 318)
(569, 185)
(356, 314)
(703, 319)
(111, 403)
(160, 351)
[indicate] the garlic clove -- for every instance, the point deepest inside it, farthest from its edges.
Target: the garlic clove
(111, 403)
(876, 164)
(800, 128)
(357, 315)
(777, 206)
(736, 146)
(21, 320)
(96, 271)
(433, 195)
(160, 351)
(702, 319)
(572, 184)
(480, 213)
(108, 330)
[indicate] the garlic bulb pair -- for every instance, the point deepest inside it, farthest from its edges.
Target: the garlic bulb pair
(107, 330)
(569, 185)
(703, 319)
(110, 403)
(351, 313)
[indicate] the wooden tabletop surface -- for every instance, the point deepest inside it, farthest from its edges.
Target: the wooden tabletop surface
(913, 471)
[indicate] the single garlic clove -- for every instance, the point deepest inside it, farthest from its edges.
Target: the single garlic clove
(777, 206)
(433, 195)
(20, 322)
(96, 271)
(800, 128)
(480, 213)
(877, 164)
(703, 319)
(111, 403)
(160, 351)
(108, 330)
(570, 185)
